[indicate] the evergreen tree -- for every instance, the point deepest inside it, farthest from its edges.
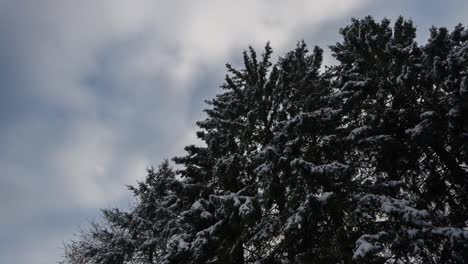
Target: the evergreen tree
(361, 162)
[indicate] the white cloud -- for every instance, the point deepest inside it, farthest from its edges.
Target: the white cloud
(209, 32)
(152, 50)
(59, 44)
(149, 53)
(61, 39)
(135, 170)
(84, 164)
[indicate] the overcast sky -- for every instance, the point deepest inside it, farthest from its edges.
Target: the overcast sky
(95, 91)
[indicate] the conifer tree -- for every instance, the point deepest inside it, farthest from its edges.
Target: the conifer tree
(364, 161)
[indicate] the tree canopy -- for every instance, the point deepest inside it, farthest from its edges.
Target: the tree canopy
(364, 161)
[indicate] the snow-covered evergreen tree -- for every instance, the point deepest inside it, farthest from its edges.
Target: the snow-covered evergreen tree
(361, 162)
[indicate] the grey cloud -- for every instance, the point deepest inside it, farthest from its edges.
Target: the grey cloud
(95, 91)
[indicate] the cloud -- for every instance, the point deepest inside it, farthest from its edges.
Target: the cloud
(85, 164)
(122, 71)
(208, 32)
(93, 92)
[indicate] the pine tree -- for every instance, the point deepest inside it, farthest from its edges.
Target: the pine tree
(360, 162)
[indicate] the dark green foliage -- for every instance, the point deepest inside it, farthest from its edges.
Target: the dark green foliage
(363, 162)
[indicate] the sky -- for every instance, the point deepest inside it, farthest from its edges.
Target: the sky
(94, 92)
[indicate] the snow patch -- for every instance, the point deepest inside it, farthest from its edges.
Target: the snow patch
(323, 197)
